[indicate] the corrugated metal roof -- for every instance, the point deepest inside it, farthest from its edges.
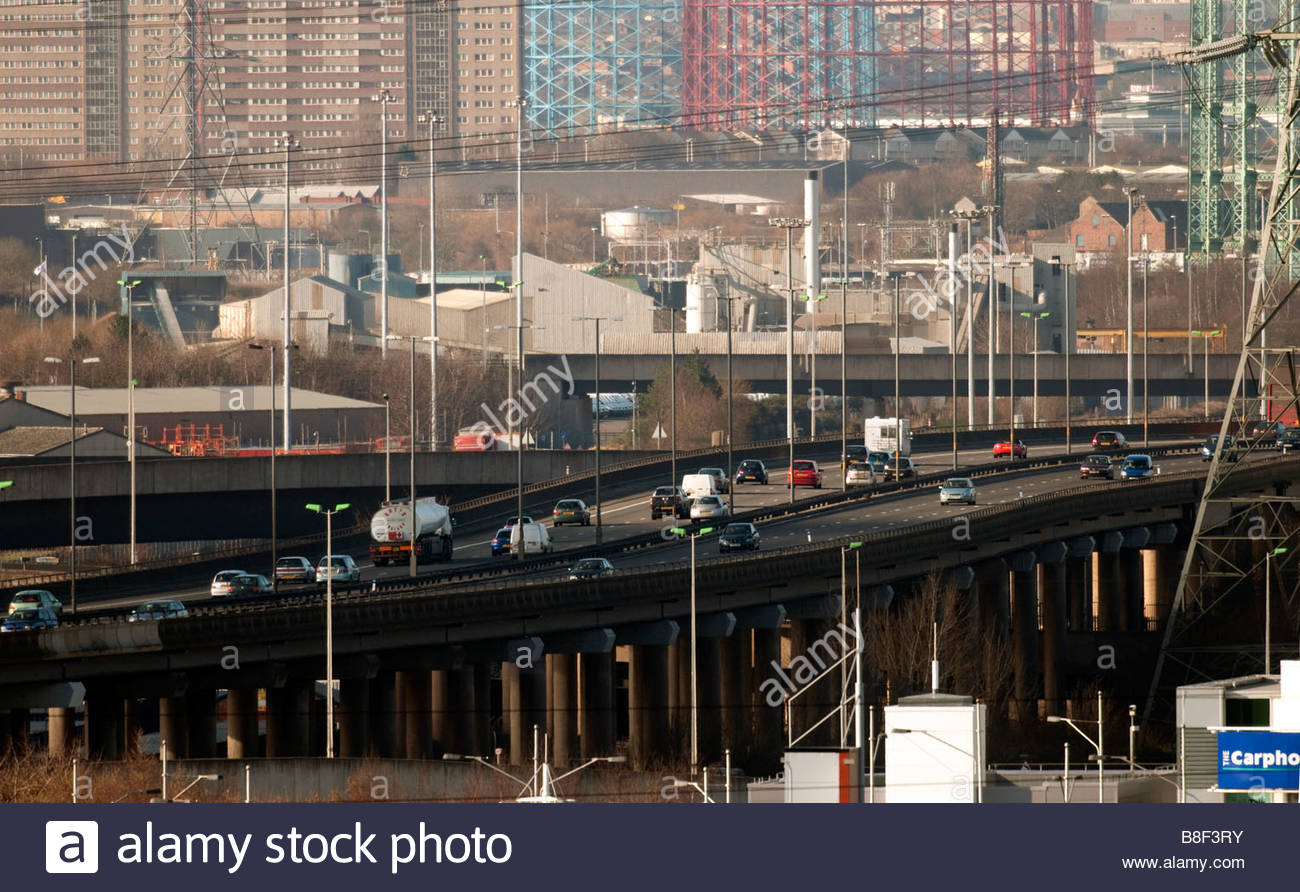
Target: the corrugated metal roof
(170, 400)
(28, 441)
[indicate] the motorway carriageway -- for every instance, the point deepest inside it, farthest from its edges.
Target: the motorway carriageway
(627, 513)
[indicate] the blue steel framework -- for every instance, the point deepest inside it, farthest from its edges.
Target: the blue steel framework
(595, 63)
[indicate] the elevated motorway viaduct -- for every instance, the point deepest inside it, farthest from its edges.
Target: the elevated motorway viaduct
(1054, 576)
(1092, 375)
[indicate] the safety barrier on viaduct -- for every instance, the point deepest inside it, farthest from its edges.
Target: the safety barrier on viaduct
(471, 668)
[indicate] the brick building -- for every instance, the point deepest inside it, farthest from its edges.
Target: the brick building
(1100, 226)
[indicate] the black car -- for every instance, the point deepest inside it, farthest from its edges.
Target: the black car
(1264, 432)
(1097, 466)
(1109, 440)
(670, 500)
(30, 619)
(1288, 439)
(1211, 444)
(738, 537)
(852, 453)
(751, 470)
(590, 568)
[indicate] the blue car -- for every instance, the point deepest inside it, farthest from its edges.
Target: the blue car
(1136, 467)
(30, 619)
(501, 542)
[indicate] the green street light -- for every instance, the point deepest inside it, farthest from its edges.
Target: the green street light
(1268, 605)
(5, 484)
(329, 619)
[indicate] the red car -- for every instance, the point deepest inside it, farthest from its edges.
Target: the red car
(805, 473)
(1019, 448)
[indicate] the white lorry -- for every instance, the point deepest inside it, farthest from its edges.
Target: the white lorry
(390, 532)
(888, 435)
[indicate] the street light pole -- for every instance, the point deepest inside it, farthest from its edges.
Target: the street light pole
(72, 473)
(1129, 191)
(127, 286)
(388, 464)
(288, 143)
(1068, 345)
(990, 211)
(522, 104)
(789, 224)
(275, 582)
(672, 371)
(1036, 317)
(597, 320)
(898, 347)
(1146, 340)
(433, 121)
(1099, 745)
(329, 618)
(383, 99)
(1268, 607)
(844, 316)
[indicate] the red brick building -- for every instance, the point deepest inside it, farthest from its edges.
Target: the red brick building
(1100, 226)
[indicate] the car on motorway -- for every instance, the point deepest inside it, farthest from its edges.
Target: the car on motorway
(294, 568)
(501, 542)
(751, 470)
(339, 567)
(1136, 467)
(670, 500)
(1097, 465)
(708, 507)
(590, 568)
(878, 460)
(695, 485)
(30, 619)
(30, 598)
(852, 452)
(957, 489)
(1109, 440)
(859, 473)
(1211, 444)
(251, 584)
(804, 472)
(1016, 448)
(157, 610)
(738, 537)
(510, 521)
(1264, 432)
(1288, 439)
(724, 485)
(571, 511)
(223, 581)
(904, 468)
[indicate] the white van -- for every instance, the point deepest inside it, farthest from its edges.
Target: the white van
(696, 485)
(536, 539)
(888, 434)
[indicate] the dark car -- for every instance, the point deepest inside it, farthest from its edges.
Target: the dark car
(30, 619)
(590, 568)
(1109, 440)
(158, 610)
(501, 542)
(1288, 439)
(1211, 445)
(904, 468)
(751, 470)
(250, 584)
(738, 537)
(1097, 466)
(1264, 432)
(571, 511)
(878, 461)
(852, 453)
(670, 500)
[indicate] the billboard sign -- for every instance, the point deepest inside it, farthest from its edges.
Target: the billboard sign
(1259, 760)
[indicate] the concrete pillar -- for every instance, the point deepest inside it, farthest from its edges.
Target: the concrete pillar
(59, 724)
(383, 714)
(709, 691)
(442, 717)
(679, 693)
(353, 716)
(647, 703)
(735, 704)
(173, 726)
(241, 723)
(1108, 588)
(201, 717)
(414, 688)
(769, 712)
(812, 649)
(597, 684)
(991, 581)
(1133, 575)
(288, 717)
(1078, 603)
(481, 742)
(1024, 625)
(1166, 573)
(103, 725)
(511, 717)
(562, 703)
(524, 690)
(1054, 593)
(130, 726)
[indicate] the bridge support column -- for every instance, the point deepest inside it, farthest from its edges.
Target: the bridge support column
(59, 724)
(597, 686)
(103, 724)
(1134, 579)
(130, 726)
(353, 716)
(524, 690)
(734, 658)
(709, 693)
(1107, 583)
(1168, 567)
(383, 714)
(482, 723)
(562, 705)
(769, 709)
(442, 717)
(679, 691)
(241, 723)
(1052, 593)
(462, 703)
(1078, 577)
(647, 703)
(414, 689)
(1024, 626)
(288, 717)
(173, 726)
(815, 644)
(991, 583)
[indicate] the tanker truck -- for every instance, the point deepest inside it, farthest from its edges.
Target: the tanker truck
(390, 532)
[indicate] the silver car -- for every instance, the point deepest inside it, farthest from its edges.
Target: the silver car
(340, 567)
(957, 489)
(860, 474)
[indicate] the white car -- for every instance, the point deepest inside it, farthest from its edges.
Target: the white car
(706, 507)
(724, 485)
(860, 474)
(340, 567)
(223, 582)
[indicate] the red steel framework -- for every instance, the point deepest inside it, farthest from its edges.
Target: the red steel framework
(800, 63)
